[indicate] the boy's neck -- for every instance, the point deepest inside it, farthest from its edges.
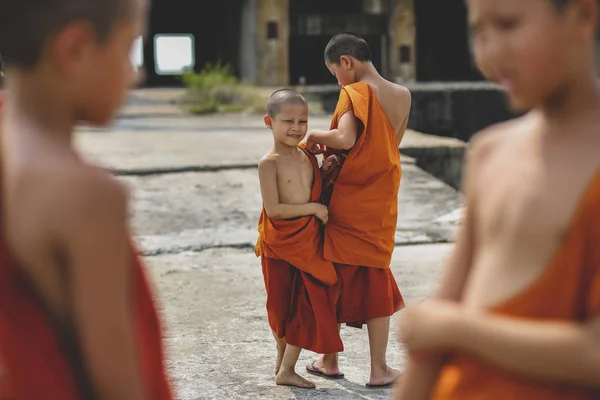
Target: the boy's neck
(367, 73)
(38, 103)
(576, 98)
(284, 149)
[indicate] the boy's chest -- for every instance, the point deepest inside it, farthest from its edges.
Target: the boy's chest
(530, 199)
(295, 178)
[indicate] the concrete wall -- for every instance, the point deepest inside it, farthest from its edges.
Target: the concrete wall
(248, 39)
(272, 54)
(402, 33)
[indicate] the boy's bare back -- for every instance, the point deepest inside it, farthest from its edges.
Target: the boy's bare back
(395, 100)
(53, 200)
(527, 181)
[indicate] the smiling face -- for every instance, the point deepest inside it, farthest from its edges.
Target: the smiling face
(290, 125)
(529, 48)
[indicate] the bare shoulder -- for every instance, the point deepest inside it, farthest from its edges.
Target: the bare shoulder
(85, 192)
(268, 162)
(402, 92)
(485, 142)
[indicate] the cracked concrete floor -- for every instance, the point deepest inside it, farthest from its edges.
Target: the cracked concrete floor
(197, 230)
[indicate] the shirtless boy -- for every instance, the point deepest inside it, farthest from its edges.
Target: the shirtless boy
(301, 286)
(77, 320)
(367, 128)
(517, 314)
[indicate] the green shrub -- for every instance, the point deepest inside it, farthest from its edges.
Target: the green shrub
(216, 89)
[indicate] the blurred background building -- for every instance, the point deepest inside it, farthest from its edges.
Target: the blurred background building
(281, 42)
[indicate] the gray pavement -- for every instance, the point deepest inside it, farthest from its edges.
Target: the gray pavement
(195, 203)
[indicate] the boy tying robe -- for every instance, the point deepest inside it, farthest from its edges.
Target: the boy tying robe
(368, 125)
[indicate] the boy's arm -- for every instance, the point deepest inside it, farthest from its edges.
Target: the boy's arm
(422, 372)
(267, 175)
(342, 138)
(555, 351)
(92, 230)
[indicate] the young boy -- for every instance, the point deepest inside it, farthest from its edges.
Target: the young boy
(367, 128)
(301, 286)
(517, 315)
(77, 320)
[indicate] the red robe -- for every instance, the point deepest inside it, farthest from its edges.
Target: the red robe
(301, 285)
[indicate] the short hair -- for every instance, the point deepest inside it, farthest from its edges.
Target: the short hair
(283, 97)
(26, 25)
(347, 44)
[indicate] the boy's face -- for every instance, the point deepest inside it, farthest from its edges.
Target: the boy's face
(344, 71)
(100, 78)
(290, 125)
(527, 47)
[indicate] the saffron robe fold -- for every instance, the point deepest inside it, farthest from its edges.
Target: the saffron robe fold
(569, 290)
(301, 285)
(38, 361)
(363, 209)
(362, 195)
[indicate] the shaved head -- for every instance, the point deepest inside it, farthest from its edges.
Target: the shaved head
(284, 97)
(347, 44)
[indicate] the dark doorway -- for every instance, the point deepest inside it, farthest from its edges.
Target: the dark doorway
(442, 42)
(216, 34)
(314, 22)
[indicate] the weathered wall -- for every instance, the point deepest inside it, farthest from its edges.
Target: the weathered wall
(402, 35)
(248, 35)
(272, 54)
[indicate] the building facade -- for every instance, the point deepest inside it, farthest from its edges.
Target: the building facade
(281, 42)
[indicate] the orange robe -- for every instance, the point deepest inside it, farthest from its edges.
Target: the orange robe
(301, 285)
(38, 361)
(569, 290)
(362, 195)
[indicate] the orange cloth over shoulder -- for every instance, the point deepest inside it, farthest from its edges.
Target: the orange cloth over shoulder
(39, 362)
(363, 209)
(569, 290)
(297, 241)
(301, 285)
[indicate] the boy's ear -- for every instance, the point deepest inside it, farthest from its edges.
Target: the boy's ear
(584, 15)
(71, 45)
(346, 62)
(268, 121)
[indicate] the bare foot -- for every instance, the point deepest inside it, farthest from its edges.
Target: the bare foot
(325, 366)
(387, 378)
(291, 378)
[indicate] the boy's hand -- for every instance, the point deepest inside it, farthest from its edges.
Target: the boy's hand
(312, 146)
(429, 326)
(321, 212)
(329, 164)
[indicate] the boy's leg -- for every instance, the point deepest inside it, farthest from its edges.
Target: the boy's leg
(281, 345)
(381, 374)
(327, 365)
(287, 375)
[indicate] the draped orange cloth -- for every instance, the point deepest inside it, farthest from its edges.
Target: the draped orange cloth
(569, 290)
(362, 195)
(301, 285)
(39, 359)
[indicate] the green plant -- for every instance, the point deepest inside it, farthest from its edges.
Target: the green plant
(216, 89)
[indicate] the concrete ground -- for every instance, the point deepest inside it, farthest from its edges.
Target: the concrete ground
(195, 204)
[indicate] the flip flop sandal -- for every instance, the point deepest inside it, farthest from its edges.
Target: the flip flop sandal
(316, 371)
